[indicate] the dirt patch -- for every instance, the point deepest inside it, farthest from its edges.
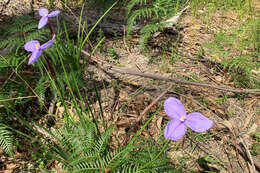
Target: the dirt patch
(12, 8)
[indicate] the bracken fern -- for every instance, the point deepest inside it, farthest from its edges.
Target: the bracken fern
(21, 30)
(16, 33)
(6, 139)
(80, 148)
(153, 12)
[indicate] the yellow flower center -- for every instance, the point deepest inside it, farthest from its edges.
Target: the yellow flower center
(182, 118)
(37, 46)
(45, 13)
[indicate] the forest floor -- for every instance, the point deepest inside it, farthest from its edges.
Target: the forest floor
(232, 145)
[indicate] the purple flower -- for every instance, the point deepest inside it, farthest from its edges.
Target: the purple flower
(45, 15)
(36, 49)
(176, 128)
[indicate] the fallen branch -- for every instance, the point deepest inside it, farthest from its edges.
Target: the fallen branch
(213, 154)
(255, 164)
(160, 77)
(244, 153)
(133, 125)
(153, 103)
(180, 81)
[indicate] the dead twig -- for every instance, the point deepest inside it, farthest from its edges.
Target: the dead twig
(205, 149)
(255, 161)
(245, 154)
(134, 124)
(248, 154)
(153, 103)
(233, 130)
(174, 80)
(180, 81)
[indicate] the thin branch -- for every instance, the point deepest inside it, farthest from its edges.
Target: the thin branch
(17, 98)
(173, 80)
(180, 81)
(248, 154)
(245, 154)
(153, 103)
(254, 160)
(214, 154)
(134, 124)
(26, 83)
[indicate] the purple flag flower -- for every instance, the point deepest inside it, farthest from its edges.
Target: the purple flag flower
(36, 49)
(45, 15)
(176, 128)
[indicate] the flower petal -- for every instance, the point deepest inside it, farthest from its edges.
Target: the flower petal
(43, 22)
(174, 108)
(43, 12)
(54, 13)
(31, 45)
(198, 122)
(35, 55)
(49, 43)
(175, 130)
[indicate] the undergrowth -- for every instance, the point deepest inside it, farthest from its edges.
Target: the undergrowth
(154, 13)
(242, 7)
(75, 140)
(14, 35)
(238, 52)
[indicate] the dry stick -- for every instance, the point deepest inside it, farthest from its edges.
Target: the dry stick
(134, 123)
(234, 132)
(17, 98)
(203, 147)
(248, 154)
(231, 162)
(150, 105)
(244, 155)
(27, 84)
(174, 80)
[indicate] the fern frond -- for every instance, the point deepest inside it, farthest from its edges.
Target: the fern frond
(37, 35)
(133, 3)
(148, 30)
(4, 43)
(6, 140)
(131, 168)
(11, 60)
(138, 14)
(102, 141)
(29, 28)
(239, 63)
(152, 13)
(20, 31)
(41, 88)
(111, 160)
(117, 157)
(88, 166)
